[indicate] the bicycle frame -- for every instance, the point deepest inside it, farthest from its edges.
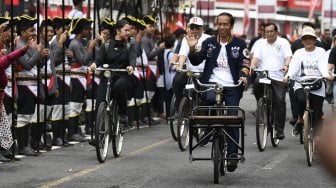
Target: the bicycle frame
(267, 95)
(217, 119)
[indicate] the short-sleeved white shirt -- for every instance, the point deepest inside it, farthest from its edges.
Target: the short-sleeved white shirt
(272, 56)
(185, 51)
(306, 65)
(75, 13)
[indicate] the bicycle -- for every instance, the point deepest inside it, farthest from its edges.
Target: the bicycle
(217, 118)
(186, 104)
(108, 126)
(308, 124)
(265, 113)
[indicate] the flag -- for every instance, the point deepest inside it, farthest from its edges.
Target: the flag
(246, 16)
(312, 6)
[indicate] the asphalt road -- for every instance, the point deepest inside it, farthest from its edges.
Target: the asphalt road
(150, 158)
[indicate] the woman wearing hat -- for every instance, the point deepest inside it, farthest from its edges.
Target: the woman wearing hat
(308, 62)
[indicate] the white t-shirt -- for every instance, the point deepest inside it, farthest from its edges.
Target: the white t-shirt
(309, 65)
(185, 51)
(272, 56)
(222, 74)
(75, 13)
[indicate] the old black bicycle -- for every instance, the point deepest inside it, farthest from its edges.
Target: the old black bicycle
(108, 126)
(265, 113)
(218, 118)
(190, 100)
(308, 123)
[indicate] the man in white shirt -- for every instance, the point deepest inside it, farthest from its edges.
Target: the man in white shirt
(273, 54)
(180, 80)
(77, 11)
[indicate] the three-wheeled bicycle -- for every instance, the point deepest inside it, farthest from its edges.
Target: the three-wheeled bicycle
(219, 119)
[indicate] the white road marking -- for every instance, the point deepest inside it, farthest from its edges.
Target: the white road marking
(272, 164)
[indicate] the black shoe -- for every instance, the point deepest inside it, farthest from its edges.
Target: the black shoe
(57, 142)
(280, 135)
(232, 163)
(48, 142)
(28, 152)
(297, 129)
(77, 138)
(88, 131)
(123, 119)
(11, 157)
(4, 159)
(293, 121)
(66, 144)
(34, 146)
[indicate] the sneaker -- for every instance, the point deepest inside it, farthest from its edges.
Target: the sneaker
(297, 129)
(232, 162)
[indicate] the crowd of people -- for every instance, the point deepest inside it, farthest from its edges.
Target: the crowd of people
(56, 68)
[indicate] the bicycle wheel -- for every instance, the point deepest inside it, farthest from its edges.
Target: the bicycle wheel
(172, 120)
(117, 127)
(308, 137)
(102, 129)
(261, 124)
(216, 158)
(183, 124)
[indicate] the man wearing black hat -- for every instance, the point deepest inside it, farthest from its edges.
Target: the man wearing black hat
(27, 82)
(57, 48)
(82, 57)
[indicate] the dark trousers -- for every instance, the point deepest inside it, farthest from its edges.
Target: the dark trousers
(293, 101)
(231, 98)
(121, 89)
(179, 82)
(316, 104)
(279, 102)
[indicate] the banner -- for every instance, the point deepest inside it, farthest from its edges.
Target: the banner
(246, 16)
(266, 9)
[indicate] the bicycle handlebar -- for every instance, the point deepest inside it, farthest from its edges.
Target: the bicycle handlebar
(308, 81)
(213, 86)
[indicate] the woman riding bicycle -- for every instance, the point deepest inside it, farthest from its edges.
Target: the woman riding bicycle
(119, 54)
(308, 62)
